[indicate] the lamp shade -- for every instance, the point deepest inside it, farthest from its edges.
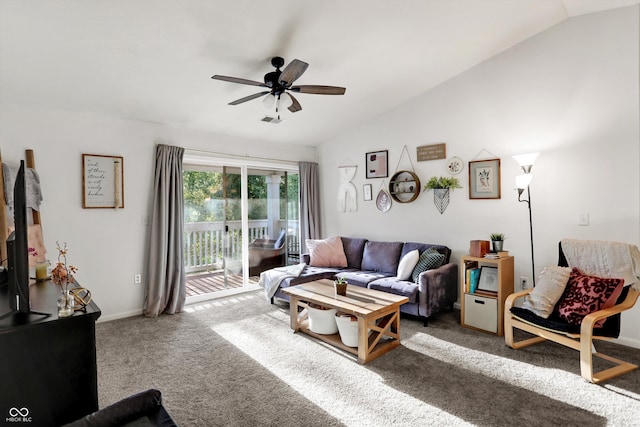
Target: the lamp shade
(269, 101)
(284, 101)
(526, 159)
(523, 181)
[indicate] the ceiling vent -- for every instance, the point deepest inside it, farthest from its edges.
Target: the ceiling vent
(274, 120)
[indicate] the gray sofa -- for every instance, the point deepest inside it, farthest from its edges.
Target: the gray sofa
(374, 265)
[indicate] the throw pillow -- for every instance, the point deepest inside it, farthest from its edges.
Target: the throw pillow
(280, 240)
(326, 253)
(548, 290)
(428, 260)
(585, 294)
(407, 264)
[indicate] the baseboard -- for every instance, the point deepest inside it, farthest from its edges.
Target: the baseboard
(119, 316)
(629, 342)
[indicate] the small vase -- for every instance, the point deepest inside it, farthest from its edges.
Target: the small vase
(65, 304)
(497, 245)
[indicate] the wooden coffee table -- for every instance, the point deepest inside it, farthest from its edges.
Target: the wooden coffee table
(378, 315)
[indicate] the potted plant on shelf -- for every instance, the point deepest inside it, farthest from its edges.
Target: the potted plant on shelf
(497, 241)
(441, 186)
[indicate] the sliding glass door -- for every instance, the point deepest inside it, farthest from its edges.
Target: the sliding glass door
(240, 220)
(273, 205)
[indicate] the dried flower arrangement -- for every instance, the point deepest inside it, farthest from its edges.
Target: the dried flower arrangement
(62, 274)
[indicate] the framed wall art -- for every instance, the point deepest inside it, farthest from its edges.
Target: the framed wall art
(367, 192)
(377, 164)
(102, 181)
(484, 179)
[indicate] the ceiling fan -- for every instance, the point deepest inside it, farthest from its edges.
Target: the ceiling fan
(279, 83)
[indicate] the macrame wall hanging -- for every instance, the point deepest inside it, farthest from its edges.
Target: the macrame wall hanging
(347, 192)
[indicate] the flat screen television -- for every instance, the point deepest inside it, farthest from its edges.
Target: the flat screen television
(18, 253)
(18, 248)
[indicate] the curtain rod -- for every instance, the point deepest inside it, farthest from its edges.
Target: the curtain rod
(239, 156)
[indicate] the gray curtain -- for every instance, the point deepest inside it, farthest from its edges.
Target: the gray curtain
(166, 290)
(309, 203)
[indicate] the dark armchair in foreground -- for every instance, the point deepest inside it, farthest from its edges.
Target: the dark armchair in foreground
(265, 254)
(142, 409)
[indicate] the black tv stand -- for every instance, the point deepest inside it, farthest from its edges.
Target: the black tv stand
(17, 318)
(48, 364)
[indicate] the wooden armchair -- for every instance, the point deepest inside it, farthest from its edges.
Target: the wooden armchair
(578, 337)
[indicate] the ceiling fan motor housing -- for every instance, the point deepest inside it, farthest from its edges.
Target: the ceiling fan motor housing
(271, 80)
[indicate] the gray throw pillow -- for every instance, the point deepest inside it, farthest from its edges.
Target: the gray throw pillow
(428, 260)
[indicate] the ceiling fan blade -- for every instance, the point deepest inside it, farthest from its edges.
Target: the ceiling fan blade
(249, 98)
(292, 72)
(238, 80)
(319, 90)
(295, 106)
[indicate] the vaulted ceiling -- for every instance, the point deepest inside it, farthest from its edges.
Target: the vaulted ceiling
(152, 60)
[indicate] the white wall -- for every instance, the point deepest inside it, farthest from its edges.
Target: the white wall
(107, 245)
(571, 93)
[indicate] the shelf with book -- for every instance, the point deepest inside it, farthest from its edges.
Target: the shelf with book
(485, 285)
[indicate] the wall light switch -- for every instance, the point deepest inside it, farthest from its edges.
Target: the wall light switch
(583, 218)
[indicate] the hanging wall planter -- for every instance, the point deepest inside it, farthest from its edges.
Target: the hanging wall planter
(441, 198)
(441, 187)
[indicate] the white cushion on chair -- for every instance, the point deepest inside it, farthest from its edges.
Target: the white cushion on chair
(548, 290)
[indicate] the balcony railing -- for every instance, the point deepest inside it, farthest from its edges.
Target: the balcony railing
(206, 244)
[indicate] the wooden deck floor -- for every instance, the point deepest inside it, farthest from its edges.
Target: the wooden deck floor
(210, 282)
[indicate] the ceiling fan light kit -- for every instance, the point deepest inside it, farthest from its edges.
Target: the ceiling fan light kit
(280, 85)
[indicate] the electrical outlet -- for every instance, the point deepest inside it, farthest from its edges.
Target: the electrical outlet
(583, 218)
(137, 279)
(524, 283)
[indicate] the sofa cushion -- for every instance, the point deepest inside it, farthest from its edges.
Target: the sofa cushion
(362, 278)
(421, 247)
(327, 253)
(429, 260)
(396, 287)
(585, 294)
(381, 256)
(407, 264)
(309, 274)
(353, 249)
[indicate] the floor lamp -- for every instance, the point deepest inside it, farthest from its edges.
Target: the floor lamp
(522, 182)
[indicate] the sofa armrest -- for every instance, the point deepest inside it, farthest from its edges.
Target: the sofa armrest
(438, 288)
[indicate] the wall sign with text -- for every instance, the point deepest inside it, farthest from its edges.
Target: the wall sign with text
(102, 181)
(431, 152)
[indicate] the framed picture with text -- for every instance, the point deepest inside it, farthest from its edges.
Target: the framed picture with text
(102, 181)
(367, 192)
(484, 179)
(377, 164)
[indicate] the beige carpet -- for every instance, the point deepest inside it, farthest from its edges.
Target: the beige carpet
(235, 362)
